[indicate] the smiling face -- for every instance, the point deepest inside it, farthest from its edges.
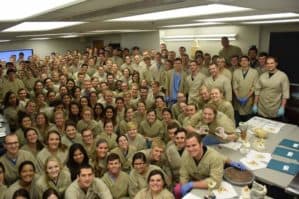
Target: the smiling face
(109, 113)
(71, 131)
(208, 115)
(53, 169)
(191, 110)
(11, 144)
(59, 119)
(156, 153)
(123, 143)
(156, 183)
(26, 122)
(53, 141)
(102, 150)
(180, 140)
(141, 107)
(271, 64)
(194, 148)
(85, 178)
(166, 116)
(27, 173)
(132, 132)
(78, 156)
(140, 166)
(129, 114)
(114, 167)
(160, 103)
(213, 69)
(151, 117)
(216, 95)
(108, 128)
(87, 137)
(31, 136)
(74, 109)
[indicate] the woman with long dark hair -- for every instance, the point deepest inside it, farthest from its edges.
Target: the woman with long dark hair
(76, 158)
(98, 111)
(74, 112)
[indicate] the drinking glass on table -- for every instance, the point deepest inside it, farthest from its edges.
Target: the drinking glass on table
(243, 126)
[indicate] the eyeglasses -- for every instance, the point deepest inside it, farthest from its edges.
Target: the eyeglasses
(90, 135)
(11, 143)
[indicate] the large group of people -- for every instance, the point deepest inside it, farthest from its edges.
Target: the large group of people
(120, 123)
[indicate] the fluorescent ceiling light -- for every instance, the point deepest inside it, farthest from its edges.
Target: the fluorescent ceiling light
(191, 24)
(124, 30)
(206, 37)
(69, 36)
(184, 12)
(13, 10)
(45, 35)
(41, 26)
(252, 17)
(199, 39)
(40, 38)
(4, 40)
(183, 39)
(201, 36)
(272, 21)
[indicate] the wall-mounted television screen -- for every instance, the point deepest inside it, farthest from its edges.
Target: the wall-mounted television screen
(5, 55)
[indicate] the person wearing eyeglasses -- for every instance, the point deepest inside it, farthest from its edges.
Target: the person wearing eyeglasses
(13, 157)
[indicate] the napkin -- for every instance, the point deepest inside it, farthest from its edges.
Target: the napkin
(253, 164)
(225, 190)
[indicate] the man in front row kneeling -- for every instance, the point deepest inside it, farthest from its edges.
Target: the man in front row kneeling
(202, 166)
(87, 186)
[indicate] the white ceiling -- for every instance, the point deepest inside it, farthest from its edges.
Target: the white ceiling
(95, 12)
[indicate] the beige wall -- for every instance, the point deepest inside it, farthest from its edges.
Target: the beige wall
(45, 47)
(145, 40)
(246, 36)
